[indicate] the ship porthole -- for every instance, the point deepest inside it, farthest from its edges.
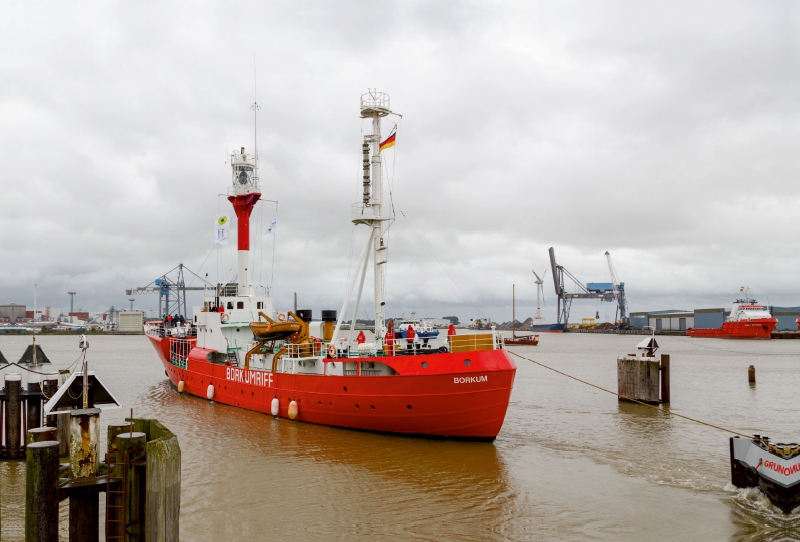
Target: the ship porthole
(408, 407)
(424, 364)
(357, 406)
(467, 362)
(345, 388)
(372, 407)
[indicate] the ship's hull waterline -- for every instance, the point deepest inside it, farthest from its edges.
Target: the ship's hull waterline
(465, 399)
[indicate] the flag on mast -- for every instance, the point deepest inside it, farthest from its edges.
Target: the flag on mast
(389, 142)
(222, 233)
(273, 225)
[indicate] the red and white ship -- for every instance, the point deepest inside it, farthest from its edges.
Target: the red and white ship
(238, 350)
(748, 320)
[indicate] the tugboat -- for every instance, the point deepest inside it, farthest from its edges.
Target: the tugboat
(774, 468)
(238, 350)
(748, 320)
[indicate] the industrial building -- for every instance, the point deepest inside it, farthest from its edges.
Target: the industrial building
(130, 321)
(13, 312)
(681, 320)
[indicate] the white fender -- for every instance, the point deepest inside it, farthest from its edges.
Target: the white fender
(293, 410)
(210, 392)
(181, 386)
(275, 406)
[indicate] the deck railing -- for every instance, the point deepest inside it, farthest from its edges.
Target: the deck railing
(179, 352)
(489, 340)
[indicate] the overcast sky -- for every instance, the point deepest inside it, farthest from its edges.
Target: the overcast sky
(666, 133)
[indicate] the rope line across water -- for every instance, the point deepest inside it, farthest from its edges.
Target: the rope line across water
(631, 399)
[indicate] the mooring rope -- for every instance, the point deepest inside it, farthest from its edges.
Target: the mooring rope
(631, 399)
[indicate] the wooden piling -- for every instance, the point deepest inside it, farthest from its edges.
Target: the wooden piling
(84, 515)
(163, 485)
(13, 415)
(113, 430)
(33, 404)
(131, 450)
(40, 434)
(751, 374)
(41, 494)
(62, 422)
(665, 378)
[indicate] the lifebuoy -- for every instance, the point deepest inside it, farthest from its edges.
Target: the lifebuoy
(282, 316)
(224, 317)
(331, 350)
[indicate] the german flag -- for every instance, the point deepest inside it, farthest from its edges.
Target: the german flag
(389, 142)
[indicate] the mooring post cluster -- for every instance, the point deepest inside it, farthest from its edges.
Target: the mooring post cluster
(60, 442)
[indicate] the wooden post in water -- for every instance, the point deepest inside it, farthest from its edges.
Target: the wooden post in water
(41, 493)
(40, 434)
(13, 414)
(637, 379)
(751, 374)
(665, 378)
(131, 449)
(163, 485)
(62, 421)
(33, 403)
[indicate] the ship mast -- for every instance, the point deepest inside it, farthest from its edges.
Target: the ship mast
(369, 211)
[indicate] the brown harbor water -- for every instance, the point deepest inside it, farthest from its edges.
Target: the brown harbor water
(571, 463)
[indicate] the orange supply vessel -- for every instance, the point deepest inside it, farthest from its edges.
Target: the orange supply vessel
(238, 350)
(748, 320)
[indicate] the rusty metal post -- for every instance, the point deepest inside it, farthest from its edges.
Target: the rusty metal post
(751, 374)
(13, 415)
(41, 492)
(84, 441)
(664, 378)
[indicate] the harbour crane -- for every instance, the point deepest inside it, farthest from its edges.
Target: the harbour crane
(539, 295)
(601, 291)
(621, 317)
(171, 291)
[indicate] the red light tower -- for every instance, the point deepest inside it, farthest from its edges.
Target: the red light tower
(246, 194)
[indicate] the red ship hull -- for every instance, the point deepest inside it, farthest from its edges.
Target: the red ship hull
(746, 329)
(448, 398)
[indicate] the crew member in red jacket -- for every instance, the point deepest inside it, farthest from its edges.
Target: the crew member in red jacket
(410, 334)
(361, 338)
(388, 338)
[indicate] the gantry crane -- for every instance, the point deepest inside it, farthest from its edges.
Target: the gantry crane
(173, 289)
(621, 318)
(601, 291)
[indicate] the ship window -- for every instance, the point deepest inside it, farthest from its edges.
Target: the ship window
(230, 304)
(260, 305)
(467, 362)
(240, 305)
(424, 364)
